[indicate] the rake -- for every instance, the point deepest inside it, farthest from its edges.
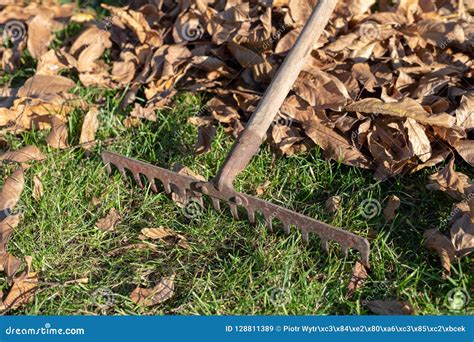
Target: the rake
(220, 188)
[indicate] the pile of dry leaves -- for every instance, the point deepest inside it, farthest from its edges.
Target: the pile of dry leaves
(388, 90)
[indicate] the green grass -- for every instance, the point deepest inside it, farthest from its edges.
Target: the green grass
(231, 267)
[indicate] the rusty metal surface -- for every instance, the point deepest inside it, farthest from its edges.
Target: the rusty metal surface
(192, 188)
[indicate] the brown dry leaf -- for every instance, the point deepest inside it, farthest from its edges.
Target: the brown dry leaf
(390, 307)
(165, 234)
(333, 204)
(462, 234)
(334, 145)
(40, 34)
(23, 155)
(58, 136)
(22, 292)
(260, 190)
(392, 205)
(6, 228)
(163, 291)
(143, 113)
(455, 184)
(418, 139)
(11, 191)
(205, 136)
(110, 221)
(465, 148)
(321, 90)
(359, 274)
(137, 23)
(406, 108)
(439, 243)
(38, 190)
(41, 85)
(9, 264)
(89, 128)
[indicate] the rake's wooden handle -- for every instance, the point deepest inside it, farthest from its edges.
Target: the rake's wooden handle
(248, 144)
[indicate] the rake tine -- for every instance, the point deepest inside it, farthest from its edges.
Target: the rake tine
(234, 211)
(137, 178)
(216, 203)
(325, 245)
(167, 187)
(250, 215)
(268, 222)
(153, 183)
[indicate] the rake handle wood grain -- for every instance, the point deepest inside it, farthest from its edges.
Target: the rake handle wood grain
(248, 143)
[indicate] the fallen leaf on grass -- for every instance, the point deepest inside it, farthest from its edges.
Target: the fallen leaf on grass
(260, 190)
(22, 292)
(332, 204)
(359, 274)
(406, 108)
(462, 235)
(89, 128)
(455, 184)
(205, 136)
(335, 146)
(11, 191)
(439, 243)
(41, 85)
(143, 113)
(23, 155)
(163, 291)
(390, 307)
(109, 222)
(165, 234)
(57, 138)
(6, 228)
(392, 205)
(38, 190)
(9, 264)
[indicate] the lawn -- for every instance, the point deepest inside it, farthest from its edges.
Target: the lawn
(230, 267)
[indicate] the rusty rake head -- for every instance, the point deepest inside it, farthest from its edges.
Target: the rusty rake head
(188, 187)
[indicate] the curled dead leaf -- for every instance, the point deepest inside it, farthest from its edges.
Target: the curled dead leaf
(439, 243)
(109, 222)
(163, 291)
(392, 205)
